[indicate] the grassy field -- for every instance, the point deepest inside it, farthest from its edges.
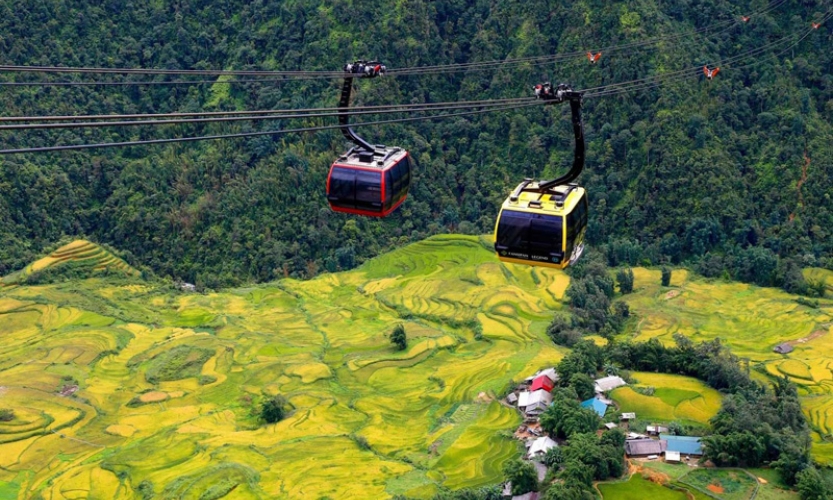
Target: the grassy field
(752, 321)
(675, 397)
(168, 382)
(639, 488)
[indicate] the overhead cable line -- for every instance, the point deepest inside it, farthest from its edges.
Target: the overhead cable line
(73, 147)
(306, 75)
(640, 83)
(257, 112)
(133, 123)
(728, 64)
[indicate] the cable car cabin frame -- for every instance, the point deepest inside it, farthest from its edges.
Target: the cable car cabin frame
(369, 183)
(371, 180)
(543, 223)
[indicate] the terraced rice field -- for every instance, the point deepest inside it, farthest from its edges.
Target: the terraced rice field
(752, 321)
(366, 421)
(79, 252)
(675, 397)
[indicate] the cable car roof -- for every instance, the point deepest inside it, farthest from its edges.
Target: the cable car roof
(558, 200)
(382, 157)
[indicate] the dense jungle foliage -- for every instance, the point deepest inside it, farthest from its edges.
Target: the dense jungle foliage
(732, 175)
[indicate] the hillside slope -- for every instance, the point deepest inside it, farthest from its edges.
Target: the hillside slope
(168, 382)
(81, 254)
(688, 167)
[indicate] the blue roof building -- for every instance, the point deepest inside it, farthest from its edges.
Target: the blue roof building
(596, 405)
(686, 445)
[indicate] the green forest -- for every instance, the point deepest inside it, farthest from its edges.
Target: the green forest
(729, 175)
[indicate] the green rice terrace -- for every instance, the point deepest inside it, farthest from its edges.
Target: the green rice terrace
(122, 387)
(81, 254)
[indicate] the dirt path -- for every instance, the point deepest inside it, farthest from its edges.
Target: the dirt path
(816, 334)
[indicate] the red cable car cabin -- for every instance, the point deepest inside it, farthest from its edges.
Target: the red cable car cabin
(372, 183)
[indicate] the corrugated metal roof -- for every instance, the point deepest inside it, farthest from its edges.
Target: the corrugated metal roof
(541, 445)
(596, 405)
(541, 382)
(609, 383)
(686, 445)
(645, 446)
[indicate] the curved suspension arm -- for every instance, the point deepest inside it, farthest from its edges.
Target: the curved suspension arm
(344, 116)
(561, 94)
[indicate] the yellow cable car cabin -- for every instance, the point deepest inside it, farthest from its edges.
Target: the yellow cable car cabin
(542, 229)
(543, 223)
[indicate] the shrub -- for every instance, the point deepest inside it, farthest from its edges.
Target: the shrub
(272, 410)
(666, 276)
(398, 338)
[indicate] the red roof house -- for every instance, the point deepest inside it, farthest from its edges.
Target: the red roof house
(541, 382)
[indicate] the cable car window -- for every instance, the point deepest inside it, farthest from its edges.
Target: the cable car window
(405, 165)
(368, 190)
(396, 174)
(342, 187)
(512, 233)
(389, 189)
(545, 237)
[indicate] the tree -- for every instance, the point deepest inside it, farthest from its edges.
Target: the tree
(623, 310)
(676, 428)
(613, 437)
(625, 280)
(523, 476)
(554, 457)
(6, 415)
(576, 473)
(563, 491)
(584, 385)
(811, 486)
(272, 410)
(398, 338)
(666, 276)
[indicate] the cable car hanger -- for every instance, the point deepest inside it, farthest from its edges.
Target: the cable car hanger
(362, 69)
(557, 95)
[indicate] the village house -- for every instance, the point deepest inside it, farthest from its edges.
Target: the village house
(549, 373)
(655, 430)
(541, 446)
(607, 384)
(596, 405)
(783, 348)
(685, 445)
(645, 447)
(542, 382)
(534, 403)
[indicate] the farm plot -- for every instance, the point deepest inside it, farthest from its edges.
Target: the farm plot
(750, 319)
(639, 488)
(728, 484)
(674, 397)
